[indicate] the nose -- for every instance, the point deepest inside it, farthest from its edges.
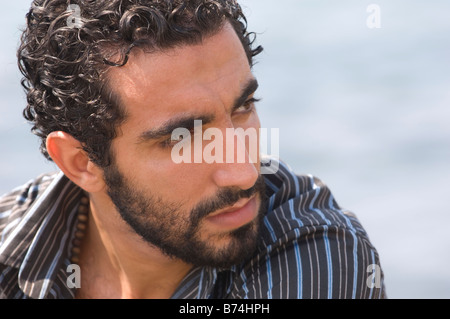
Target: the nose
(234, 172)
(242, 175)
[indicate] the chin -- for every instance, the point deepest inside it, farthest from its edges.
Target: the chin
(230, 248)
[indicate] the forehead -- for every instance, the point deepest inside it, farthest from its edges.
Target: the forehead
(152, 87)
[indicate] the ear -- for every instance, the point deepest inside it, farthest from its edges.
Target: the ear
(68, 154)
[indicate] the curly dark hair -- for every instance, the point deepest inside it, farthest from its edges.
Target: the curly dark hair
(65, 66)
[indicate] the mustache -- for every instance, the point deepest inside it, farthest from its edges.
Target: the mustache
(227, 197)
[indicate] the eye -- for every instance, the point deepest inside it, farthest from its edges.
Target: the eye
(169, 142)
(247, 107)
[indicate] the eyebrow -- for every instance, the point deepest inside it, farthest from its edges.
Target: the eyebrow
(187, 121)
(171, 125)
(249, 89)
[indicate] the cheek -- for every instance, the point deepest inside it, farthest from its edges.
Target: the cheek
(153, 169)
(183, 183)
(253, 122)
(256, 124)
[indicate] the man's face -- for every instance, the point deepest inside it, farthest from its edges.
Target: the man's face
(201, 213)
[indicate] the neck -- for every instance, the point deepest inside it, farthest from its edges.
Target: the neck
(116, 263)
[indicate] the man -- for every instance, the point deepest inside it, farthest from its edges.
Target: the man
(107, 84)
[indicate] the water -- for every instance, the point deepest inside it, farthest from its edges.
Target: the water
(366, 110)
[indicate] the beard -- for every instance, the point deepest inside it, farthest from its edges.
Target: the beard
(176, 233)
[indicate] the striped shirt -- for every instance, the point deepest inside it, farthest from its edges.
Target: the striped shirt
(309, 246)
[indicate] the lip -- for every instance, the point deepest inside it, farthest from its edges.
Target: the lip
(238, 215)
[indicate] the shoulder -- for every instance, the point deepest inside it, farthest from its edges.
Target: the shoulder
(302, 204)
(15, 203)
(310, 247)
(16, 224)
(21, 198)
(29, 226)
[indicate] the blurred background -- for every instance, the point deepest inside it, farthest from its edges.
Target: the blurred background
(367, 110)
